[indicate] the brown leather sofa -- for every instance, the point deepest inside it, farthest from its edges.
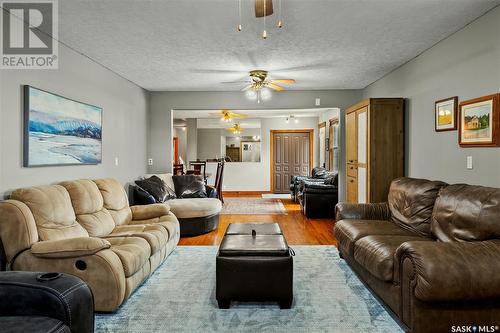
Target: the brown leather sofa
(86, 228)
(431, 252)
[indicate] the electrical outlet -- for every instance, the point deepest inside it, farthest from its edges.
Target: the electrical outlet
(116, 161)
(150, 161)
(469, 162)
(318, 101)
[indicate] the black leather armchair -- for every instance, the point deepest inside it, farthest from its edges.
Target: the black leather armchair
(318, 198)
(318, 174)
(45, 302)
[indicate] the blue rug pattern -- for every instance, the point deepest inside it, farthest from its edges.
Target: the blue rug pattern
(180, 297)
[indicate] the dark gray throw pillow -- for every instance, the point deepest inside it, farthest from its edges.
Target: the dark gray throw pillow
(157, 188)
(189, 186)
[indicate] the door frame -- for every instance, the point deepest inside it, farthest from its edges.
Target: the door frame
(271, 148)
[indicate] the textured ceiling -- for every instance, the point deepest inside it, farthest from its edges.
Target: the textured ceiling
(193, 45)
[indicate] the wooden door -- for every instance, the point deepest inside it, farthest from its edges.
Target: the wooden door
(176, 150)
(291, 155)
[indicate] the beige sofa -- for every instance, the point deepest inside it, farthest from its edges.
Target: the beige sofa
(86, 228)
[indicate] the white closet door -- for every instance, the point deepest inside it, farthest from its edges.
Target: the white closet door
(362, 136)
(362, 155)
(361, 184)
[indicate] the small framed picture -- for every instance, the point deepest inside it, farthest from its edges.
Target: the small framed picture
(479, 122)
(445, 114)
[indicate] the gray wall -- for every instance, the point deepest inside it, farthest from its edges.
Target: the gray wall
(162, 104)
(125, 119)
(209, 143)
(467, 65)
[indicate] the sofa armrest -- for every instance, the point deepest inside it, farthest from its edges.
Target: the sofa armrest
(66, 298)
(451, 271)
(70, 247)
(149, 211)
(17, 228)
(366, 211)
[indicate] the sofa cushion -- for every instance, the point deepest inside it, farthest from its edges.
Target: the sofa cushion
(88, 204)
(195, 207)
(348, 232)
(377, 253)
(52, 210)
(115, 200)
(189, 186)
(156, 235)
(133, 252)
(467, 213)
(411, 202)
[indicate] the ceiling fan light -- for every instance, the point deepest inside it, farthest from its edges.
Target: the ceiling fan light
(265, 94)
(251, 94)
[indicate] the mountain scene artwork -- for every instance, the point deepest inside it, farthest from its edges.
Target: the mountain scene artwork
(60, 131)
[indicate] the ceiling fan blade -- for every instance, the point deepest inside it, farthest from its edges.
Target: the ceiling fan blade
(287, 81)
(275, 87)
(247, 87)
(241, 115)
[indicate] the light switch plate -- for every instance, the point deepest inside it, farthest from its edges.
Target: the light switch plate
(469, 162)
(318, 102)
(150, 161)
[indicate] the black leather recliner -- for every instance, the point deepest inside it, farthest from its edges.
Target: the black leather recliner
(318, 198)
(318, 174)
(45, 302)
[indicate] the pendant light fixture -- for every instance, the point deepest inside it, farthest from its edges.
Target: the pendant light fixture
(239, 15)
(263, 8)
(264, 33)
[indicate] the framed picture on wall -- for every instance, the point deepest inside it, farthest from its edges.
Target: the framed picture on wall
(479, 122)
(445, 114)
(60, 131)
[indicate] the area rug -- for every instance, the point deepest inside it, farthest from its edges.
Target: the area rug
(276, 196)
(180, 297)
(252, 206)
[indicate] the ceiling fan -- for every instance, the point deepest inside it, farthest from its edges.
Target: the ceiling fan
(227, 115)
(235, 129)
(258, 80)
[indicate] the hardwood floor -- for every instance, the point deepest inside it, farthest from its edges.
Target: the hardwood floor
(298, 229)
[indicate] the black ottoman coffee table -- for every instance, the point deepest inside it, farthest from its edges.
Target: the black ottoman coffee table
(254, 263)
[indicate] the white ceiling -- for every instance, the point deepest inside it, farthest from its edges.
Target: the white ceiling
(193, 44)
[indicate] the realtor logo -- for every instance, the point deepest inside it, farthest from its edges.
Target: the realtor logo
(29, 34)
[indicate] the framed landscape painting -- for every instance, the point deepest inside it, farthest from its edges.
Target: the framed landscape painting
(445, 113)
(480, 122)
(60, 131)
